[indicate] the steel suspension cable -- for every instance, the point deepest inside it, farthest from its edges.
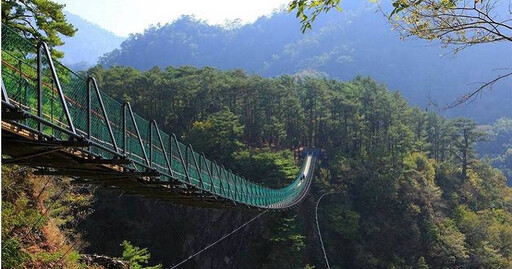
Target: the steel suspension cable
(318, 228)
(218, 240)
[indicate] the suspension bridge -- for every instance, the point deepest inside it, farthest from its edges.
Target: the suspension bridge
(63, 125)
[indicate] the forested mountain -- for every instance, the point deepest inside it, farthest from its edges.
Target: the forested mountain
(408, 188)
(410, 191)
(357, 41)
(90, 42)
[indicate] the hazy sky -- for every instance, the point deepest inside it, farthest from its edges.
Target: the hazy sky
(123, 17)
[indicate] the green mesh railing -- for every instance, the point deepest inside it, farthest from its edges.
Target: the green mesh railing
(19, 74)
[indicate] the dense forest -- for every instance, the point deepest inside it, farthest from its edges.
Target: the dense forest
(410, 189)
(497, 146)
(404, 186)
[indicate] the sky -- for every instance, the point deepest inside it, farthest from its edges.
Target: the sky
(123, 17)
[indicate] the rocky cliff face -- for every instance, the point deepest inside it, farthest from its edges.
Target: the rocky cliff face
(172, 232)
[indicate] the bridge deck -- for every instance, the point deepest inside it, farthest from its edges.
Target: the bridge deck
(52, 158)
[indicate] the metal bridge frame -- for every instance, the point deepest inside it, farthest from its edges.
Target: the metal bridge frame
(44, 47)
(92, 81)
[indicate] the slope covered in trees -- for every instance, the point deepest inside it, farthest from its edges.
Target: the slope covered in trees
(39, 219)
(357, 41)
(410, 191)
(497, 146)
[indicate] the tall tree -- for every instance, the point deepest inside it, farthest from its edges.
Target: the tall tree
(218, 136)
(465, 139)
(38, 20)
(137, 256)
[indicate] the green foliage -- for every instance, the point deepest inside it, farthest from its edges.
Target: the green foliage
(315, 6)
(339, 213)
(47, 257)
(498, 145)
(446, 244)
(12, 255)
(38, 20)
(414, 194)
(465, 136)
(29, 239)
(276, 169)
(421, 264)
(19, 215)
(420, 163)
(18, 210)
(218, 135)
(287, 237)
(137, 256)
(488, 234)
(451, 22)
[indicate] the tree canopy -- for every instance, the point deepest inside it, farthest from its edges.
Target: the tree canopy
(38, 20)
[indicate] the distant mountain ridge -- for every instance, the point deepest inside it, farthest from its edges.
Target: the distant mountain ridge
(357, 41)
(88, 44)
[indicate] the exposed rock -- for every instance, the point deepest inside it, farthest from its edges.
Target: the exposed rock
(105, 261)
